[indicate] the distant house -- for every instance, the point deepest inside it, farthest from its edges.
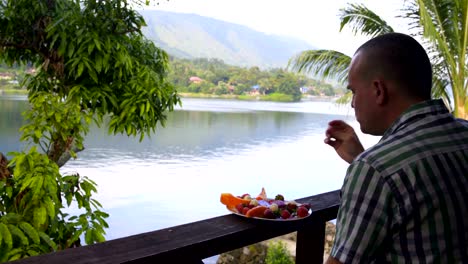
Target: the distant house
(195, 79)
(304, 89)
(31, 71)
(6, 76)
(255, 90)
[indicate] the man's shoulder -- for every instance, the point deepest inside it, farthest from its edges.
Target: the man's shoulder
(418, 139)
(377, 155)
(462, 122)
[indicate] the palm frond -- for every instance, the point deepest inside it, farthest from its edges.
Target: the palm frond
(345, 99)
(326, 63)
(439, 89)
(363, 20)
(444, 24)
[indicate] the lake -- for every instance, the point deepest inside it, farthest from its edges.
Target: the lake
(208, 146)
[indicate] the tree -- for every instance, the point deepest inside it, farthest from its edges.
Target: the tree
(92, 62)
(444, 28)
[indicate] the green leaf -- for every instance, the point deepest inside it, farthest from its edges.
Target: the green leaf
(11, 218)
(26, 184)
(47, 240)
(30, 231)
(6, 236)
(58, 117)
(37, 187)
(32, 252)
(97, 43)
(363, 21)
(89, 239)
(37, 133)
(50, 206)
(9, 191)
(96, 204)
(80, 70)
(76, 235)
(93, 75)
(15, 254)
(98, 236)
(63, 44)
(16, 232)
(327, 63)
(71, 49)
(142, 110)
(90, 48)
(69, 198)
(40, 216)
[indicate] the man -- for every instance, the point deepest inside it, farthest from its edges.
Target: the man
(404, 200)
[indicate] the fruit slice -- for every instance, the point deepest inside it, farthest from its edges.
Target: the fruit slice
(231, 201)
(262, 195)
(257, 211)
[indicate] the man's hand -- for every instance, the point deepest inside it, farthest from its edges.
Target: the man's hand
(344, 140)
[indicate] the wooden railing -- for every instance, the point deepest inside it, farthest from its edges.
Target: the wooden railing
(193, 242)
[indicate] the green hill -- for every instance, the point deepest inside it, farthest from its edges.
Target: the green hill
(193, 36)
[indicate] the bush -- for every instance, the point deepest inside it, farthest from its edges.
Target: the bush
(278, 97)
(278, 254)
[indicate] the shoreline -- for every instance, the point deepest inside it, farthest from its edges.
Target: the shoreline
(254, 98)
(15, 92)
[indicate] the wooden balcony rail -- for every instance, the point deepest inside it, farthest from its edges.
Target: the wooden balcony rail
(193, 242)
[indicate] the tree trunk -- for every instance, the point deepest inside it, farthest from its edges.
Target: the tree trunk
(461, 107)
(4, 171)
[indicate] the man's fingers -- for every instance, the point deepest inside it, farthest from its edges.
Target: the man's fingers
(331, 141)
(339, 124)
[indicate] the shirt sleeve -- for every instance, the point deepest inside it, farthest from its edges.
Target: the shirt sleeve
(363, 221)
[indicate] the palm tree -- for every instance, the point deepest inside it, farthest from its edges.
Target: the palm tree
(443, 26)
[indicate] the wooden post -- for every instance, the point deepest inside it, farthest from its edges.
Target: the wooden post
(310, 243)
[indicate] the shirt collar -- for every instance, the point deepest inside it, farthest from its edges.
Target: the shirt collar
(416, 111)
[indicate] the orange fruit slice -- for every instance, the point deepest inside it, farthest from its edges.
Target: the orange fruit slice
(257, 211)
(231, 201)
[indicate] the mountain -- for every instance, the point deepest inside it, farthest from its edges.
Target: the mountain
(193, 36)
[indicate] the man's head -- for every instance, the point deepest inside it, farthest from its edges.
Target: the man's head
(388, 74)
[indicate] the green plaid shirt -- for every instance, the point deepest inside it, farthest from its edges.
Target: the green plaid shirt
(405, 200)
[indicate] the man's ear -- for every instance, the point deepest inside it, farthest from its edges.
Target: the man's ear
(380, 91)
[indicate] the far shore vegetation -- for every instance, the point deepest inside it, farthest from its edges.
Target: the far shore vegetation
(212, 78)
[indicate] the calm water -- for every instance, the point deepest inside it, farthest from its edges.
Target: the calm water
(208, 146)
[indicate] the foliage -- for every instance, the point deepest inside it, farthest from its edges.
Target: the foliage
(32, 221)
(444, 28)
(364, 21)
(279, 97)
(278, 254)
(222, 79)
(327, 63)
(92, 62)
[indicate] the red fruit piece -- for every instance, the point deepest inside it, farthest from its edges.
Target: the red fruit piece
(246, 196)
(291, 207)
(269, 214)
(239, 208)
(302, 212)
(285, 214)
(245, 210)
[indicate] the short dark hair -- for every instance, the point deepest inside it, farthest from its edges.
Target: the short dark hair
(402, 59)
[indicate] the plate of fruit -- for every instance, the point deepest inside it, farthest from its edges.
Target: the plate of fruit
(264, 208)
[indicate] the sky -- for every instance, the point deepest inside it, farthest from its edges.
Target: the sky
(315, 21)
